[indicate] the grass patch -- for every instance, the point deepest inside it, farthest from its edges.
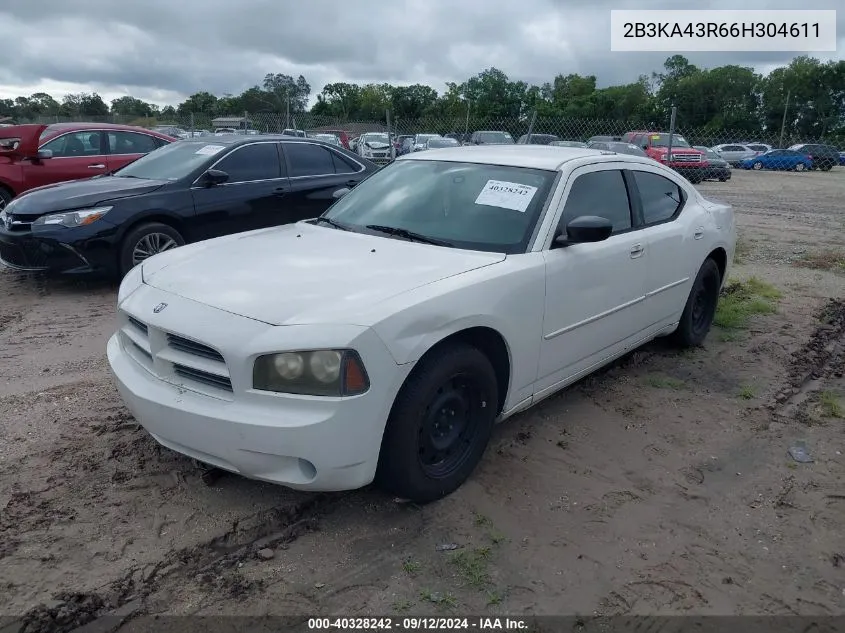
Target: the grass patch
(411, 566)
(665, 382)
(830, 405)
(481, 521)
(742, 251)
(742, 300)
(400, 606)
(472, 565)
(494, 598)
(746, 392)
(823, 260)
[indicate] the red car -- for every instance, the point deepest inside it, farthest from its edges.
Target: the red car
(341, 134)
(36, 155)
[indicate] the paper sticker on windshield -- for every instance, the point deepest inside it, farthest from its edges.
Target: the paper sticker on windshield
(507, 195)
(210, 150)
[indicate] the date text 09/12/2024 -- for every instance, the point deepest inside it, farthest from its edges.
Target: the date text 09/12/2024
(418, 624)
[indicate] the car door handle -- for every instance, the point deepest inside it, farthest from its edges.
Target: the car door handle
(280, 192)
(351, 183)
(637, 250)
(97, 166)
(699, 233)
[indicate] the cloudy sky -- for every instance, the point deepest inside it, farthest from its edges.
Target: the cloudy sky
(164, 50)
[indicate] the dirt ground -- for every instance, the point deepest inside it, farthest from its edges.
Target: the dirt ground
(661, 485)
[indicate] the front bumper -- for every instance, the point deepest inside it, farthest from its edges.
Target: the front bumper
(57, 250)
(303, 442)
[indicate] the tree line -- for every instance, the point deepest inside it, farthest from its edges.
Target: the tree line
(809, 91)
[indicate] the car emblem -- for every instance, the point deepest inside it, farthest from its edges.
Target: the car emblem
(159, 308)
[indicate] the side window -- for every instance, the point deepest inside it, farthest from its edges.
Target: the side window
(661, 197)
(601, 193)
(76, 144)
(259, 161)
(131, 143)
(308, 159)
(342, 165)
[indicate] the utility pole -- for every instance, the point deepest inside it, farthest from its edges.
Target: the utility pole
(671, 133)
(783, 122)
(287, 113)
(466, 125)
(531, 127)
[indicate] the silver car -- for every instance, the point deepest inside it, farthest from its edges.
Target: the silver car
(734, 153)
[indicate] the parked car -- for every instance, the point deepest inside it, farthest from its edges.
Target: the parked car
(463, 139)
(172, 131)
(418, 144)
(760, 148)
(491, 138)
(779, 159)
(604, 139)
(376, 146)
(567, 144)
(343, 135)
(224, 131)
(36, 155)
(842, 158)
(401, 331)
(326, 138)
(824, 157)
(192, 190)
(439, 143)
(407, 146)
(294, 132)
(618, 147)
(687, 161)
(734, 153)
(402, 143)
(627, 137)
(718, 168)
(537, 139)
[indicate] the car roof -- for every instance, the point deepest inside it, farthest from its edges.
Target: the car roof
(58, 128)
(241, 139)
(546, 157)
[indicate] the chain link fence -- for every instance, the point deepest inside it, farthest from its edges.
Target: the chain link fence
(564, 129)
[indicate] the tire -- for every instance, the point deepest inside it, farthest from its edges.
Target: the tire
(757, 165)
(700, 309)
(723, 179)
(5, 197)
(156, 234)
(448, 380)
(800, 167)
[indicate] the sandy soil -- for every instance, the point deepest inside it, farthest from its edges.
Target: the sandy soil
(660, 485)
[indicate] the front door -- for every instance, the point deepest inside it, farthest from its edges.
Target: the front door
(252, 198)
(595, 292)
(76, 155)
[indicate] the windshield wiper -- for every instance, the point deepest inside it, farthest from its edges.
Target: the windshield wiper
(331, 222)
(408, 235)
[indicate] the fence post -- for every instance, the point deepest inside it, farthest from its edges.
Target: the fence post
(531, 127)
(671, 133)
(783, 122)
(192, 125)
(466, 124)
(387, 123)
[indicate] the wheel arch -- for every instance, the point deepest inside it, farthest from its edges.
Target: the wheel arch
(488, 340)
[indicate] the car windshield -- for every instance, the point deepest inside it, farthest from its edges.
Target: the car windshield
(443, 142)
(495, 137)
(171, 162)
(473, 206)
(662, 140)
(375, 138)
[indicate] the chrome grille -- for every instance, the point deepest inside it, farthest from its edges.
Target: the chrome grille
(176, 359)
(192, 347)
(686, 158)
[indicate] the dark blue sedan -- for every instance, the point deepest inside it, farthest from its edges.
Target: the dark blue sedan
(779, 159)
(842, 158)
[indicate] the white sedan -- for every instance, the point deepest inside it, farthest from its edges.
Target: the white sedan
(448, 291)
(375, 146)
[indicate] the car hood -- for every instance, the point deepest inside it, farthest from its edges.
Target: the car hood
(78, 194)
(304, 274)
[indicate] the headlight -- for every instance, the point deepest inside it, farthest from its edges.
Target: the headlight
(80, 217)
(130, 283)
(324, 372)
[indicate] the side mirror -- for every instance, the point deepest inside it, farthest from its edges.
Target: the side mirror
(215, 177)
(585, 229)
(337, 195)
(44, 154)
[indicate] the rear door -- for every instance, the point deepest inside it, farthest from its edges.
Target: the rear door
(76, 155)
(316, 172)
(251, 199)
(125, 147)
